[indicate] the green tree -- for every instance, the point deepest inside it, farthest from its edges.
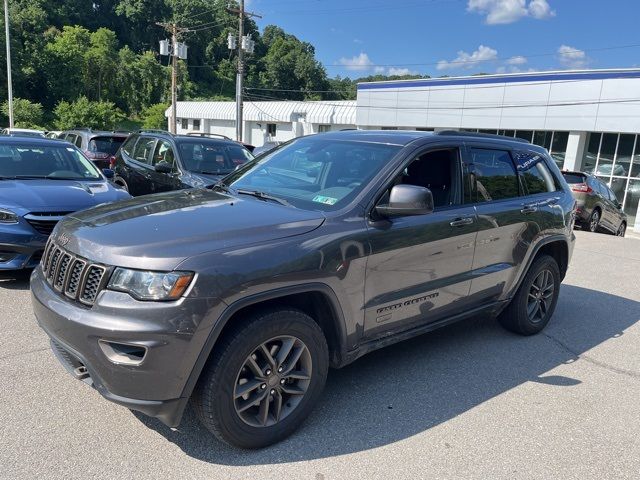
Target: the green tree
(26, 114)
(85, 113)
(153, 116)
(66, 67)
(100, 62)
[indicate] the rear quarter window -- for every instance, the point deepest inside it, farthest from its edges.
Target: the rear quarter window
(127, 147)
(573, 178)
(536, 176)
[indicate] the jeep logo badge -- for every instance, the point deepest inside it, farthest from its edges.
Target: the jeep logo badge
(63, 239)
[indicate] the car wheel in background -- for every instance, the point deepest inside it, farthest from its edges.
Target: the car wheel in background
(594, 221)
(622, 229)
(533, 304)
(264, 378)
(119, 181)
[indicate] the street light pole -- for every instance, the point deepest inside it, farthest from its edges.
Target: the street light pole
(7, 40)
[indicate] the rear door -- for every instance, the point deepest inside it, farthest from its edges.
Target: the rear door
(419, 266)
(507, 221)
(138, 167)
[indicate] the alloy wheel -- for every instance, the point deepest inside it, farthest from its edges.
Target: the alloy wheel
(540, 296)
(593, 223)
(272, 381)
(622, 230)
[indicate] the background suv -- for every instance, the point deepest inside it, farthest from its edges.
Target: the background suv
(158, 161)
(98, 146)
(597, 205)
(241, 296)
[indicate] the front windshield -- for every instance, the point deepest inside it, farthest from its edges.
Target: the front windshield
(211, 157)
(45, 161)
(315, 173)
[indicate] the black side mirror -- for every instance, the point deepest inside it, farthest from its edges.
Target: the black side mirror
(407, 200)
(163, 167)
(108, 173)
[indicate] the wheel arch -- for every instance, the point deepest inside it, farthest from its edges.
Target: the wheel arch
(317, 300)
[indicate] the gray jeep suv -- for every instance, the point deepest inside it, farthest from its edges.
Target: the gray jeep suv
(242, 295)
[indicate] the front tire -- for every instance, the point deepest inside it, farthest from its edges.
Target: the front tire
(622, 230)
(263, 379)
(535, 301)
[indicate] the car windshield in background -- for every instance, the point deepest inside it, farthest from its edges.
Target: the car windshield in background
(106, 144)
(573, 178)
(215, 158)
(40, 161)
(314, 173)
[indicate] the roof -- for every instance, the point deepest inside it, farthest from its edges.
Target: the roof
(390, 137)
(334, 112)
(11, 140)
(506, 78)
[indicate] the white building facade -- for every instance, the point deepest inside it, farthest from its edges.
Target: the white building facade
(588, 120)
(266, 121)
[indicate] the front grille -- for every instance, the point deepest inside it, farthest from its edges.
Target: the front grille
(44, 222)
(76, 277)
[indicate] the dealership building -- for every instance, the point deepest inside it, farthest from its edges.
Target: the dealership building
(588, 120)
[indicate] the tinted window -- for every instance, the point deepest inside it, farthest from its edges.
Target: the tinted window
(572, 178)
(494, 176)
(212, 157)
(78, 141)
(127, 147)
(163, 153)
(106, 144)
(143, 148)
(60, 161)
(535, 174)
(196, 124)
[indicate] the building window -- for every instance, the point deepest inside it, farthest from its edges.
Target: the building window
(524, 134)
(389, 128)
(184, 123)
(324, 128)
(615, 159)
(196, 124)
(272, 128)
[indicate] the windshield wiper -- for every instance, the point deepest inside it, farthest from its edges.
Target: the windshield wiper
(206, 172)
(263, 196)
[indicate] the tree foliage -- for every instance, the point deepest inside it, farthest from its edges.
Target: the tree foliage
(26, 114)
(153, 116)
(85, 113)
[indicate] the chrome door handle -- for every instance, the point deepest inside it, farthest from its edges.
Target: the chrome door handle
(461, 222)
(529, 209)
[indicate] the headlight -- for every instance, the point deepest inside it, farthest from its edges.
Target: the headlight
(150, 285)
(7, 216)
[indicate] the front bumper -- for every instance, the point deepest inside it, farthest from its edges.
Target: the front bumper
(20, 246)
(172, 333)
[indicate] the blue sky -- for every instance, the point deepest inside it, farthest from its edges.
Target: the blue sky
(459, 37)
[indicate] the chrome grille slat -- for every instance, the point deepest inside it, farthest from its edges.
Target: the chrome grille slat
(74, 277)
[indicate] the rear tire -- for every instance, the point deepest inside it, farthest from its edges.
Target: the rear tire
(274, 406)
(594, 221)
(120, 182)
(622, 230)
(535, 301)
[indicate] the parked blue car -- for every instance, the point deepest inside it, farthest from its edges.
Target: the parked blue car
(41, 181)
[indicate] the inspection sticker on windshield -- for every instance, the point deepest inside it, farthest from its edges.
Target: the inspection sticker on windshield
(325, 200)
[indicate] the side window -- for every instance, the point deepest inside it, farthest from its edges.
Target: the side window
(437, 171)
(70, 137)
(535, 175)
(163, 153)
(78, 142)
(127, 147)
(184, 123)
(272, 129)
(196, 124)
(143, 148)
(612, 196)
(493, 176)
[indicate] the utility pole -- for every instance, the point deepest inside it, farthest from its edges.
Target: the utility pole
(176, 51)
(7, 40)
(243, 44)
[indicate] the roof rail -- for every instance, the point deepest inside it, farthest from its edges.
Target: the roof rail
(204, 134)
(458, 133)
(154, 130)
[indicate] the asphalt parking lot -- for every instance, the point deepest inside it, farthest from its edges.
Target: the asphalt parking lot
(468, 401)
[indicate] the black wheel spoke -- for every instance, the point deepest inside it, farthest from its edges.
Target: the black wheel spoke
(540, 296)
(272, 381)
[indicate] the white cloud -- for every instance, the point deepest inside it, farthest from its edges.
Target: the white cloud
(358, 41)
(517, 60)
(469, 60)
(509, 11)
(358, 63)
(400, 71)
(378, 69)
(571, 57)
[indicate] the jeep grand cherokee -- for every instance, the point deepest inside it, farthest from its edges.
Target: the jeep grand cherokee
(242, 295)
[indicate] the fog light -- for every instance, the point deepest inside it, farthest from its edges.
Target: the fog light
(123, 353)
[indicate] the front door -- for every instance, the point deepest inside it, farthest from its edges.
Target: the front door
(164, 181)
(418, 270)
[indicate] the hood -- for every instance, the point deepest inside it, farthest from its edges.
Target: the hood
(159, 231)
(57, 195)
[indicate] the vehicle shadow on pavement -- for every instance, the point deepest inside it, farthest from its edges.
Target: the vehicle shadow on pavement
(15, 279)
(400, 391)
